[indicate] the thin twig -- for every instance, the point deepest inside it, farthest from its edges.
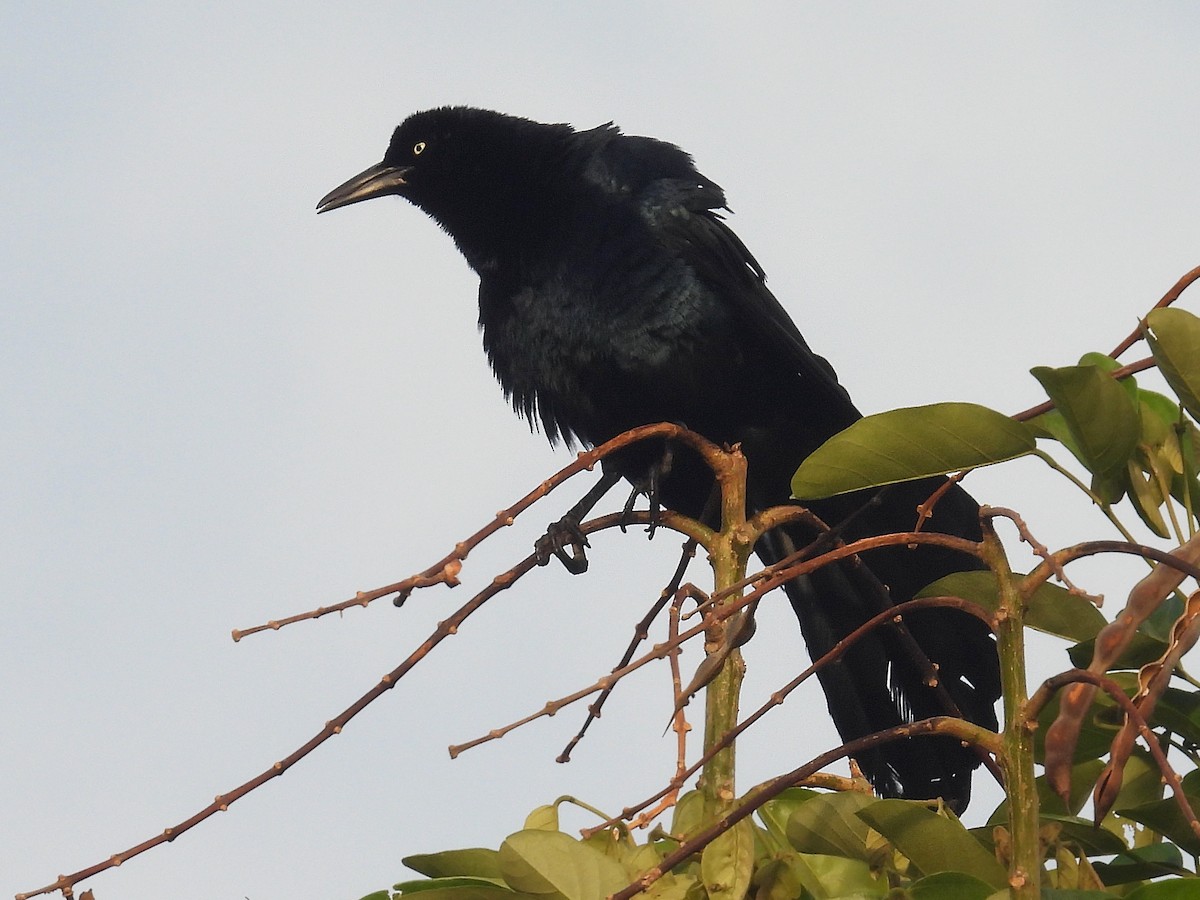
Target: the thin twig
(1167, 299)
(679, 723)
(1041, 551)
(335, 725)
(640, 632)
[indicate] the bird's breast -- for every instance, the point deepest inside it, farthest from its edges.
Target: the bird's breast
(592, 354)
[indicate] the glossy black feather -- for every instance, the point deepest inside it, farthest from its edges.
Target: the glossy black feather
(614, 294)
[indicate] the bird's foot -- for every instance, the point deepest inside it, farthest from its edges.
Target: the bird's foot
(650, 487)
(565, 540)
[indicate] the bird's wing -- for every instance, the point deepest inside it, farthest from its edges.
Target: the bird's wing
(684, 209)
(687, 216)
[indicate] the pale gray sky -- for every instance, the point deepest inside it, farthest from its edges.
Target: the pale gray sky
(218, 408)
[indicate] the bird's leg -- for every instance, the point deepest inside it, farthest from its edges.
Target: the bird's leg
(651, 486)
(566, 533)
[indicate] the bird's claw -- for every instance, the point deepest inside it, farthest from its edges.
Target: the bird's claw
(560, 537)
(651, 488)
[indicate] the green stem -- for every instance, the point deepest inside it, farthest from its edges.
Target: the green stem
(729, 554)
(1016, 755)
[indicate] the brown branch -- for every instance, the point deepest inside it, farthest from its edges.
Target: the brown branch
(765, 584)
(1167, 299)
(925, 510)
(1043, 552)
(1094, 548)
(679, 722)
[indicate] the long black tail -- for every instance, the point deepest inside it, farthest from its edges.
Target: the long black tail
(878, 684)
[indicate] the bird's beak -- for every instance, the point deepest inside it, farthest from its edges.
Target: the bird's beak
(374, 182)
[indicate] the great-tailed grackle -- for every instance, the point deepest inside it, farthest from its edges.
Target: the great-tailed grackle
(613, 294)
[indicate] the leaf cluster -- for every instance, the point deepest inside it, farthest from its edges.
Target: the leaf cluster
(804, 844)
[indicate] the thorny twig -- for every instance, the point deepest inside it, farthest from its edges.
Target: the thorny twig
(444, 629)
(1041, 551)
(925, 510)
(679, 722)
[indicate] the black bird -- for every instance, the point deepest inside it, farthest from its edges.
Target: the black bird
(613, 294)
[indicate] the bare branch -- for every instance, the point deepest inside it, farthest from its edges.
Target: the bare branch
(1167, 299)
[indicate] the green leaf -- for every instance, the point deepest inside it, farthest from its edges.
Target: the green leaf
(688, 816)
(1165, 817)
(1051, 424)
(1179, 710)
(550, 862)
(378, 895)
(1146, 497)
(1174, 339)
(776, 879)
(672, 886)
(1098, 411)
(949, 886)
(836, 876)
(459, 888)
(828, 824)
(1051, 609)
(1175, 889)
(904, 444)
(477, 861)
(933, 842)
(1164, 408)
(543, 818)
(776, 812)
(1083, 776)
(1142, 649)
(727, 863)
(1151, 861)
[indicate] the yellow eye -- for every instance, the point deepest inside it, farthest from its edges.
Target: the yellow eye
(418, 148)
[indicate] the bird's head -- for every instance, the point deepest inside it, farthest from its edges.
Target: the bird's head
(475, 171)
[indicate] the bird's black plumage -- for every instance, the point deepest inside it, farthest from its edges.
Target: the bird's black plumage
(613, 294)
